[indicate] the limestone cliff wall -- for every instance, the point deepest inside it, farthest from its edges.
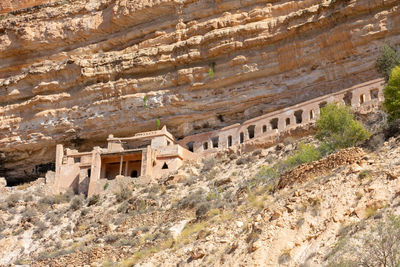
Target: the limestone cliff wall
(74, 71)
(7, 6)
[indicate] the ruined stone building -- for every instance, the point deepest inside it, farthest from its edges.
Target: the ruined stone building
(150, 155)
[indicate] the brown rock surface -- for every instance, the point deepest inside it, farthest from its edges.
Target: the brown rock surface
(75, 71)
(324, 166)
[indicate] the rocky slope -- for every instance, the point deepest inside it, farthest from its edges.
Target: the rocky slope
(221, 211)
(75, 71)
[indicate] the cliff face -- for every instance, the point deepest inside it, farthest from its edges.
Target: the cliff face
(73, 72)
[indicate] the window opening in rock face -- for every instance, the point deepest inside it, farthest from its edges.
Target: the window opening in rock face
(362, 99)
(299, 116)
(264, 128)
(215, 141)
(190, 146)
(134, 174)
(89, 172)
(374, 93)
(165, 166)
(77, 160)
(311, 114)
(229, 141)
(241, 137)
(347, 98)
(251, 130)
(287, 121)
(274, 123)
(205, 145)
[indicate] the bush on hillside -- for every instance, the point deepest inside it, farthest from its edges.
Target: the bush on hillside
(387, 61)
(304, 154)
(123, 193)
(337, 129)
(380, 246)
(392, 95)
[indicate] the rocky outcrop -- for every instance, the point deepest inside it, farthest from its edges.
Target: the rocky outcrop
(16, 5)
(304, 172)
(74, 71)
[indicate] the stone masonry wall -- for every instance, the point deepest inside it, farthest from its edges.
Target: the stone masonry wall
(272, 125)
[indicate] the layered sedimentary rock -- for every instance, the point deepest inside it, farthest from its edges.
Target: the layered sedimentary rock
(73, 72)
(15, 5)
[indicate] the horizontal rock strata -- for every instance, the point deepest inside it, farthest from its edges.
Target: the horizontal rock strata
(73, 72)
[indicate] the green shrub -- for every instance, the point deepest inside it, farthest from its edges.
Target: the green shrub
(338, 129)
(211, 70)
(158, 124)
(106, 185)
(304, 154)
(392, 95)
(387, 61)
(145, 101)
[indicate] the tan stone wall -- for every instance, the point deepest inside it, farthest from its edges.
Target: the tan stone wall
(362, 96)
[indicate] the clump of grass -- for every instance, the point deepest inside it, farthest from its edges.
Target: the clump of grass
(284, 257)
(191, 200)
(29, 213)
(209, 163)
(76, 203)
(22, 262)
(23, 186)
(55, 199)
(364, 174)
(111, 238)
(106, 185)
(370, 211)
(40, 228)
(304, 154)
(255, 201)
(94, 199)
(13, 199)
(123, 193)
(123, 208)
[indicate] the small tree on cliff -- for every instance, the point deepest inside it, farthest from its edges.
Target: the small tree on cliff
(392, 95)
(388, 59)
(337, 128)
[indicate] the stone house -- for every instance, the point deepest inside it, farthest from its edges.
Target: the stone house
(148, 155)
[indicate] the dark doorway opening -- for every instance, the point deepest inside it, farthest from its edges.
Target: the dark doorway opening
(299, 116)
(229, 141)
(251, 130)
(190, 146)
(274, 123)
(215, 141)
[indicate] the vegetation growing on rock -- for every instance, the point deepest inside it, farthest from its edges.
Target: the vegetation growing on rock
(337, 128)
(388, 59)
(392, 95)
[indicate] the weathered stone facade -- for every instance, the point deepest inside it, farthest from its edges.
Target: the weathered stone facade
(72, 72)
(146, 155)
(150, 155)
(270, 126)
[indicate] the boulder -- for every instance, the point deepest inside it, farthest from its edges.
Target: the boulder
(3, 182)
